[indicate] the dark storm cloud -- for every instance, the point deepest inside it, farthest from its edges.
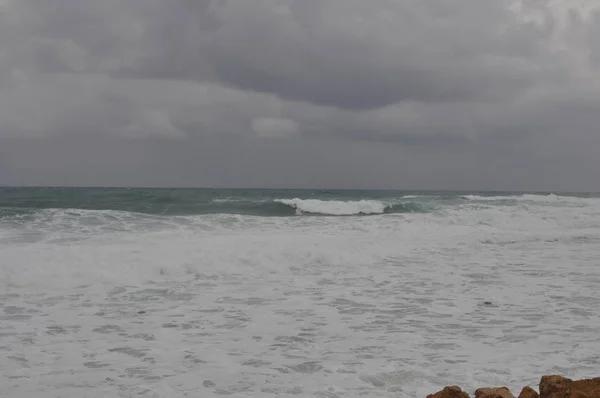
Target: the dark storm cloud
(356, 55)
(299, 92)
(345, 54)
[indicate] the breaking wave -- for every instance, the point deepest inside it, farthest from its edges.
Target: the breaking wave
(539, 199)
(347, 208)
(522, 197)
(32, 205)
(272, 208)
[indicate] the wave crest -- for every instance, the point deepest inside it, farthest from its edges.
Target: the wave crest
(346, 208)
(540, 199)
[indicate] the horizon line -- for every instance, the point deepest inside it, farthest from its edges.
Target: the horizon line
(547, 192)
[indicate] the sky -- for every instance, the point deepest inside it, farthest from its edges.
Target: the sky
(392, 94)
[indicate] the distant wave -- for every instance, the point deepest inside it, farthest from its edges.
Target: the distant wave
(537, 198)
(530, 197)
(266, 208)
(513, 197)
(26, 208)
(347, 208)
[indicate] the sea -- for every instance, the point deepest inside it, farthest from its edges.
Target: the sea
(293, 293)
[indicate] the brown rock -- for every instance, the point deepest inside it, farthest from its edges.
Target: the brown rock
(555, 387)
(579, 394)
(561, 387)
(587, 388)
(449, 392)
(528, 392)
(502, 392)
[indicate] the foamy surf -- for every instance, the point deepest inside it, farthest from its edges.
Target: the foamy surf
(336, 207)
(536, 198)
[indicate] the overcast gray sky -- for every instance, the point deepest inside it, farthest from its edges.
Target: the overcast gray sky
(408, 94)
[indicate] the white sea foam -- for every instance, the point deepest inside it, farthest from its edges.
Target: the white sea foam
(538, 198)
(335, 207)
(122, 304)
(531, 197)
(227, 200)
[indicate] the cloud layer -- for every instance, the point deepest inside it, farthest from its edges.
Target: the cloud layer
(463, 94)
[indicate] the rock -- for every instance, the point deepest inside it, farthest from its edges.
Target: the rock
(501, 392)
(561, 387)
(589, 388)
(555, 387)
(449, 392)
(578, 394)
(552, 386)
(528, 392)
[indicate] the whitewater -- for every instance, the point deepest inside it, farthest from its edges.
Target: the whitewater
(256, 293)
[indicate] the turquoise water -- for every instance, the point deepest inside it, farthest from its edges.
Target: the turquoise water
(259, 202)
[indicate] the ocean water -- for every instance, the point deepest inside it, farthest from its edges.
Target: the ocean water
(263, 293)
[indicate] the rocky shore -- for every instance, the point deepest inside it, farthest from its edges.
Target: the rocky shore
(549, 387)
